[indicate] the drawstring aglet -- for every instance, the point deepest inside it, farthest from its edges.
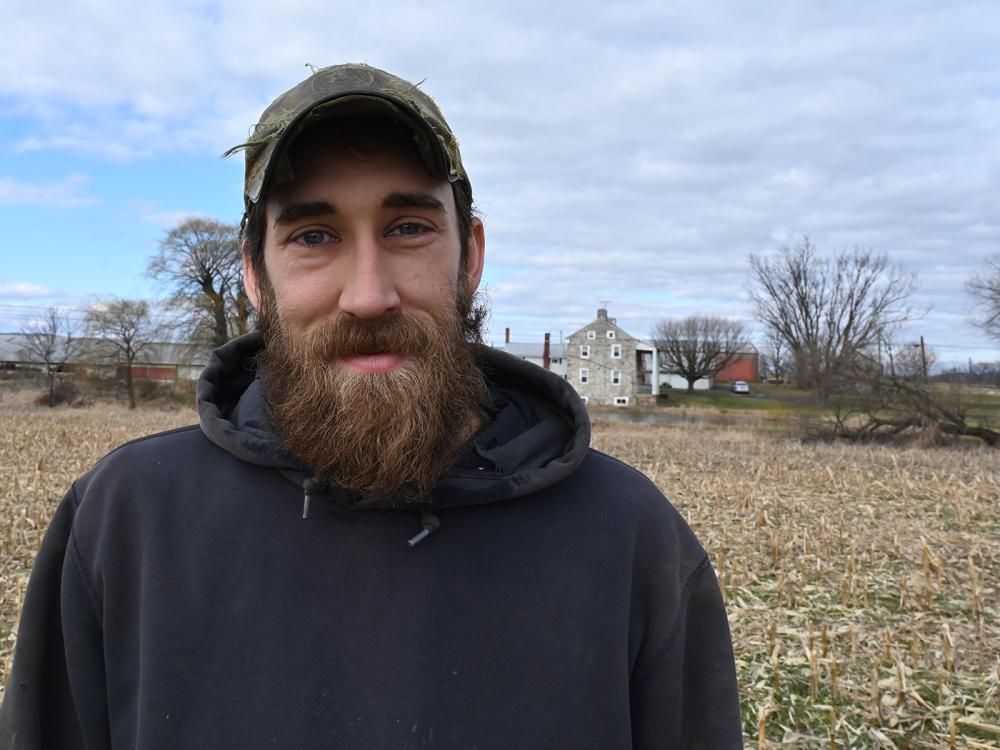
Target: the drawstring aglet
(312, 486)
(430, 523)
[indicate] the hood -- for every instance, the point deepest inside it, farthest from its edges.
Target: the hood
(537, 430)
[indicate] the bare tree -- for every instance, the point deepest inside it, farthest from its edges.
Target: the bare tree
(199, 262)
(52, 343)
(985, 288)
(774, 356)
(829, 311)
(125, 330)
(698, 346)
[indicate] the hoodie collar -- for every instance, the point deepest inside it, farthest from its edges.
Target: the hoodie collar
(537, 434)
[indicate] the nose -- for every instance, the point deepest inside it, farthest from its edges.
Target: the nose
(369, 291)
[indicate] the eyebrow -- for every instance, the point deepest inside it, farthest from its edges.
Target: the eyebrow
(413, 200)
(295, 211)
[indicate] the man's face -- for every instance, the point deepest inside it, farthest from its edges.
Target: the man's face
(366, 232)
(364, 311)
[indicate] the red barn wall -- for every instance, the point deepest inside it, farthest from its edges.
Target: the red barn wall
(743, 367)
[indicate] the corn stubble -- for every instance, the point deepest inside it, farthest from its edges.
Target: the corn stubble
(861, 581)
(41, 452)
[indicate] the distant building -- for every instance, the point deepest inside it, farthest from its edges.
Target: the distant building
(746, 366)
(604, 362)
(610, 367)
(535, 353)
(160, 362)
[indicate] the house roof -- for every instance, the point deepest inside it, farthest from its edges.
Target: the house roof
(602, 320)
(533, 350)
(13, 348)
(177, 354)
(11, 345)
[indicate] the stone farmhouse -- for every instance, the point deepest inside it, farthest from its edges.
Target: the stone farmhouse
(610, 367)
(606, 364)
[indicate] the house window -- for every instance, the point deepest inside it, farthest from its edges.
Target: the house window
(584, 351)
(591, 334)
(616, 351)
(584, 374)
(585, 399)
(621, 400)
(616, 377)
(611, 334)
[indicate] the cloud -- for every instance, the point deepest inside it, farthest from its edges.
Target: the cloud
(165, 220)
(64, 193)
(77, 141)
(23, 303)
(22, 289)
(637, 152)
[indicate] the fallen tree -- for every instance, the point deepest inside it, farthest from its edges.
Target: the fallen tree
(890, 403)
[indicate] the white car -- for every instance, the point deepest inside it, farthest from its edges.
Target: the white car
(740, 386)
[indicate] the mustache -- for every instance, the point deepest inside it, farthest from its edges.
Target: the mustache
(347, 336)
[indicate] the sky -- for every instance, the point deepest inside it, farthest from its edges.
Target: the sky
(629, 155)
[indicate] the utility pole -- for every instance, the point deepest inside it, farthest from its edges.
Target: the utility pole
(923, 358)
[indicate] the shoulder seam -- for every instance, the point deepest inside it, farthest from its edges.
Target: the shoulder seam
(666, 644)
(81, 566)
(621, 463)
(144, 438)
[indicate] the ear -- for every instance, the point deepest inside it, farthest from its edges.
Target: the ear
(475, 253)
(250, 279)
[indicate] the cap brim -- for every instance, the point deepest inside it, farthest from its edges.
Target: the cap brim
(342, 104)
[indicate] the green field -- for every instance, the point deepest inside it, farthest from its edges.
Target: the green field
(981, 405)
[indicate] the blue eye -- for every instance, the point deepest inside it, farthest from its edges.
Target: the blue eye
(313, 237)
(409, 229)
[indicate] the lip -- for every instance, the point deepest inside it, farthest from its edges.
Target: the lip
(374, 363)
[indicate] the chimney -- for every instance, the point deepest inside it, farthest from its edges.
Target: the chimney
(506, 335)
(602, 313)
(545, 353)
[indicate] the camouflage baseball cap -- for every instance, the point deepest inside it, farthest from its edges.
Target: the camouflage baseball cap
(332, 91)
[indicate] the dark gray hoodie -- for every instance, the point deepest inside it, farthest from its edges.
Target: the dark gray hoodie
(180, 600)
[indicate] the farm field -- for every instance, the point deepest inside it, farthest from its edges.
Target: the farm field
(861, 581)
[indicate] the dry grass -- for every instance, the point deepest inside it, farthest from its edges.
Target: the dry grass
(861, 581)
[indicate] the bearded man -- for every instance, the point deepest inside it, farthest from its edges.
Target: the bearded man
(465, 572)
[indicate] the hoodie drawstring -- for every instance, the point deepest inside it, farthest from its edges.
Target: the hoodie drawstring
(317, 486)
(430, 524)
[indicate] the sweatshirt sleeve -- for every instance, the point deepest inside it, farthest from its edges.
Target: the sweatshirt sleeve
(54, 698)
(685, 694)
